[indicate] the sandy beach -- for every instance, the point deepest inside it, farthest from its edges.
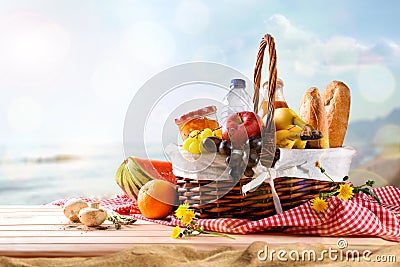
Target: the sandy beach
(188, 256)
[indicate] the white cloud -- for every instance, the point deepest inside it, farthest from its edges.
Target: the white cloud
(387, 51)
(307, 54)
(281, 28)
(341, 50)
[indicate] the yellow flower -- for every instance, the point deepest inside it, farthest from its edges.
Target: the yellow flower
(188, 216)
(176, 232)
(319, 204)
(181, 210)
(345, 191)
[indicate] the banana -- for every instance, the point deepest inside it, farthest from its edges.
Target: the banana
(286, 138)
(284, 118)
(285, 143)
(290, 138)
(298, 144)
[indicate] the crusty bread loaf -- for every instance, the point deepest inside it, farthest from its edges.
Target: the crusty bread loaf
(336, 97)
(312, 111)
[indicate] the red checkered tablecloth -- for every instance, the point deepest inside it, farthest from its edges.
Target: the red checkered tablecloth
(359, 216)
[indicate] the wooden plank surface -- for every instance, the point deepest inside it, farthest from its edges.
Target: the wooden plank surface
(43, 231)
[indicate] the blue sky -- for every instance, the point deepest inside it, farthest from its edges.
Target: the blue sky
(69, 69)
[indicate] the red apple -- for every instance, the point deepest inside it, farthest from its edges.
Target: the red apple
(240, 126)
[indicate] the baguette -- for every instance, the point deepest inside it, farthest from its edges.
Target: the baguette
(312, 111)
(336, 97)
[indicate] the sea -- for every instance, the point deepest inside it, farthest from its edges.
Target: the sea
(40, 174)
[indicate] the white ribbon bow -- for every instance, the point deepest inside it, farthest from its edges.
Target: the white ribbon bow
(268, 175)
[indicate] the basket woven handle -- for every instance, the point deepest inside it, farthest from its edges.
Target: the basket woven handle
(268, 130)
(272, 78)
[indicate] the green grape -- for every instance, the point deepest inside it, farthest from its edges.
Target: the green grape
(187, 143)
(217, 133)
(194, 147)
(194, 134)
(207, 132)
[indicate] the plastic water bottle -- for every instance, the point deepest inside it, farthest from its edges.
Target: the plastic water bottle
(236, 100)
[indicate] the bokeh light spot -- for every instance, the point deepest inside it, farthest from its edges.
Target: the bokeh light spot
(32, 48)
(376, 83)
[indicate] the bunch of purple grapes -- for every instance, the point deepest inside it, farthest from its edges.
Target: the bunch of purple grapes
(239, 160)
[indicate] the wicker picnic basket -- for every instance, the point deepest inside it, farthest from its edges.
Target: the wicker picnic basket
(225, 199)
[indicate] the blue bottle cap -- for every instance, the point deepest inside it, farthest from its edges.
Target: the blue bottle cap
(238, 83)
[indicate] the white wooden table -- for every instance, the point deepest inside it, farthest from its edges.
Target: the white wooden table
(43, 231)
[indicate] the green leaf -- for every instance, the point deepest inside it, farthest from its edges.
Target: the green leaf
(369, 192)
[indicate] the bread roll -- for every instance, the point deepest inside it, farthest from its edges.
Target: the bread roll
(312, 111)
(336, 97)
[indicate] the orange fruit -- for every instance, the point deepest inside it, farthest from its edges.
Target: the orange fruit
(157, 198)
